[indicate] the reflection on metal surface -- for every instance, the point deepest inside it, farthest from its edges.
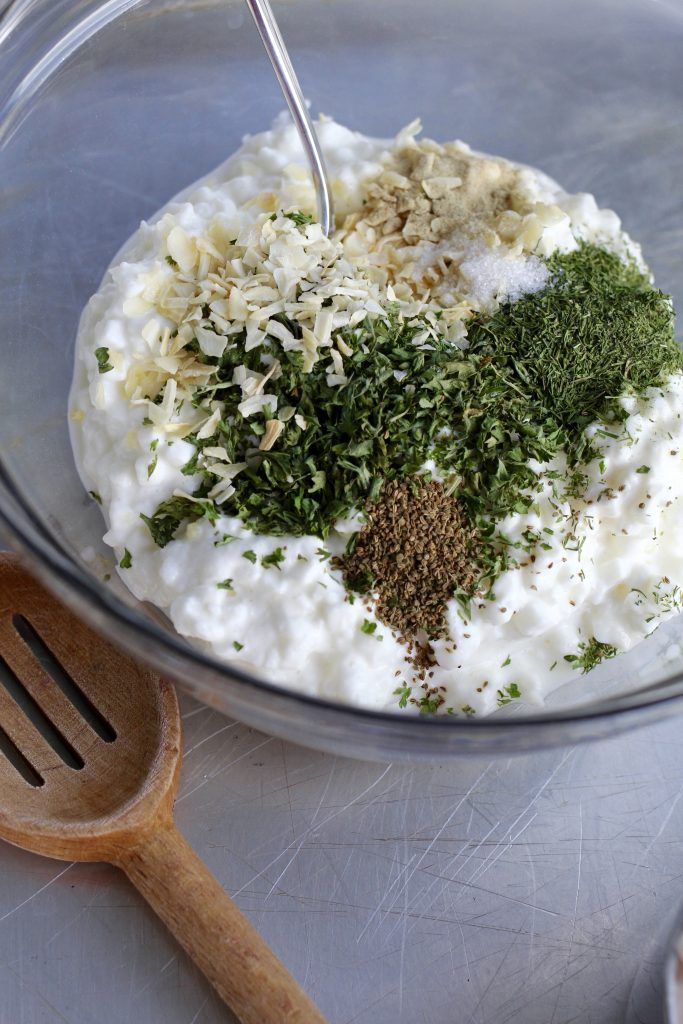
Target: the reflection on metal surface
(679, 981)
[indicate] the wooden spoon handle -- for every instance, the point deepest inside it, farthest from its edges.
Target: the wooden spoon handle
(227, 949)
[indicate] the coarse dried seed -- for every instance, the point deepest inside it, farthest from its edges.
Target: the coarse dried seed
(415, 550)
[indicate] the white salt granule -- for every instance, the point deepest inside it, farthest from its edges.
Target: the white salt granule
(495, 276)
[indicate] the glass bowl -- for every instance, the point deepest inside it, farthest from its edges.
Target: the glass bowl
(108, 109)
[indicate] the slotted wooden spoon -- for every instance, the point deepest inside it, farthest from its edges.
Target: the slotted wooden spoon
(108, 794)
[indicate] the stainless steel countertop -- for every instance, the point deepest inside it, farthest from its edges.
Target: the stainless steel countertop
(533, 891)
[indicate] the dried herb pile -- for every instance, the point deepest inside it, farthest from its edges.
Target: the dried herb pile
(598, 330)
(415, 550)
(529, 380)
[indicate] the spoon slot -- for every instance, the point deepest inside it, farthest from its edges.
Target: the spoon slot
(71, 690)
(19, 762)
(23, 699)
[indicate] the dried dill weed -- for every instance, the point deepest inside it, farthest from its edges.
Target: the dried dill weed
(416, 548)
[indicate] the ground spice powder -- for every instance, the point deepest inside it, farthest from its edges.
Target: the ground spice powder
(434, 191)
(414, 551)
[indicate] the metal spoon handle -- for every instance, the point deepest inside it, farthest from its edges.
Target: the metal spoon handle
(275, 48)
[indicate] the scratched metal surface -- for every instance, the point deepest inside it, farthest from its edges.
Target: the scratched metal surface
(533, 891)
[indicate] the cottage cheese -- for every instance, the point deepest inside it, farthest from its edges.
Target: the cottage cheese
(611, 573)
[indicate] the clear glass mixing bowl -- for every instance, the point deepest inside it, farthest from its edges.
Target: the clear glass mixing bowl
(107, 109)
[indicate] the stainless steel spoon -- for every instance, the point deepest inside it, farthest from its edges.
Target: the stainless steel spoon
(277, 51)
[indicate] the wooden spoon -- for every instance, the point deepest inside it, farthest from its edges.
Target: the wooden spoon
(95, 779)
